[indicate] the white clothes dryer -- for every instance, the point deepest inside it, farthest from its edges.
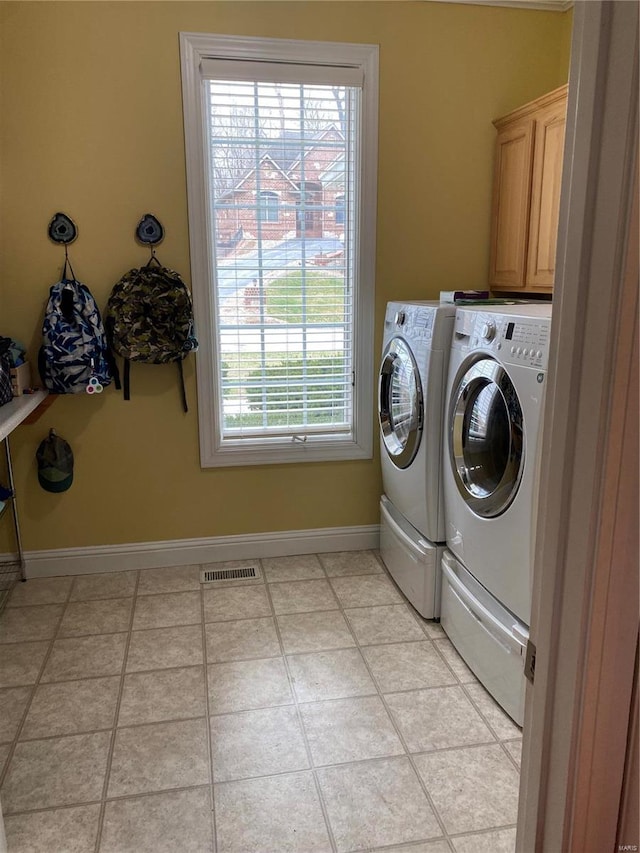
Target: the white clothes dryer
(493, 429)
(413, 371)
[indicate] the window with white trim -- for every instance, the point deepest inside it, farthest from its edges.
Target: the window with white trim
(268, 210)
(280, 136)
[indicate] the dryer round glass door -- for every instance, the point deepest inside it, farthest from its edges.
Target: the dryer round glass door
(486, 438)
(400, 403)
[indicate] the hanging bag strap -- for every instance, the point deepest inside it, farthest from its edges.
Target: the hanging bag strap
(113, 367)
(42, 367)
(153, 258)
(68, 293)
(67, 263)
(125, 379)
(183, 391)
(110, 355)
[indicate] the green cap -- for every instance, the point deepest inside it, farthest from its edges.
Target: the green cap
(55, 463)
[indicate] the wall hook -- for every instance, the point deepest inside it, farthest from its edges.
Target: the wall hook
(62, 229)
(149, 231)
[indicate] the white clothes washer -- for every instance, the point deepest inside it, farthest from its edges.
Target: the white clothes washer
(413, 371)
(493, 430)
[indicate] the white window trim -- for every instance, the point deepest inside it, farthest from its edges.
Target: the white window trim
(194, 48)
(265, 210)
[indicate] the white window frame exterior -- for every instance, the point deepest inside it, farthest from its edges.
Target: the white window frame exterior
(268, 206)
(196, 48)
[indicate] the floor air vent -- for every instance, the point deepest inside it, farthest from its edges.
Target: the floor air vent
(242, 573)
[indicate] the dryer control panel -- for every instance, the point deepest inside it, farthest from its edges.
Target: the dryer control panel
(515, 339)
(527, 342)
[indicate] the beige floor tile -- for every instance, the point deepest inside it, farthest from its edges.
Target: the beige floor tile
(68, 830)
(343, 563)
(330, 675)
(302, 596)
(365, 590)
(27, 624)
(514, 748)
(172, 579)
(371, 793)
(236, 602)
(40, 591)
(473, 788)
(158, 757)
(449, 653)
(167, 610)
(109, 585)
(167, 694)
(56, 772)
(175, 822)
(314, 632)
(426, 847)
(20, 664)
(385, 624)
(163, 648)
(267, 801)
(304, 567)
(376, 803)
(13, 702)
(498, 841)
(4, 754)
(433, 630)
(242, 639)
(436, 719)
(71, 707)
(349, 730)
(500, 722)
(81, 657)
(244, 685)
(257, 743)
(407, 666)
(106, 616)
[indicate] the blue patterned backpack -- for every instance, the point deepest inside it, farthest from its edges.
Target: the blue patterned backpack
(74, 357)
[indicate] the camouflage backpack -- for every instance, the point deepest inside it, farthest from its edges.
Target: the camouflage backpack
(149, 318)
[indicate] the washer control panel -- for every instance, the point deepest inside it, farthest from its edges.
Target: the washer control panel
(412, 321)
(422, 326)
(425, 324)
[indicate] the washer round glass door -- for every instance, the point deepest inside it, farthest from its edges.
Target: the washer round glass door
(400, 403)
(486, 438)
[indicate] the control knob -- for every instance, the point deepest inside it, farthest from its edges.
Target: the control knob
(488, 330)
(400, 318)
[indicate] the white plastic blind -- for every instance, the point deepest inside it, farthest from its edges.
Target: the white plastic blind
(283, 183)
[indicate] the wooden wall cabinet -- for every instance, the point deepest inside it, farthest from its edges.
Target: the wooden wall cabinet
(526, 195)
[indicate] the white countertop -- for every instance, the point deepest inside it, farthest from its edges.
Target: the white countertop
(13, 413)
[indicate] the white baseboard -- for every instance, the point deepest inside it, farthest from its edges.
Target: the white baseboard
(187, 552)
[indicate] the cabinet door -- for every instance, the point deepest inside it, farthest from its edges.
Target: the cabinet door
(510, 209)
(545, 197)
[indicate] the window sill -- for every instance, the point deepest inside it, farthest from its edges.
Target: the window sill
(291, 452)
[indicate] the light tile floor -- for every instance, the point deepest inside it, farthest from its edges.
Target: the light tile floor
(311, 710)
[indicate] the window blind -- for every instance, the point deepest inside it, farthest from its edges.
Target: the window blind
(283, 188)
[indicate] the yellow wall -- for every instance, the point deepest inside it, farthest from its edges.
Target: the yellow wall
(92, 126)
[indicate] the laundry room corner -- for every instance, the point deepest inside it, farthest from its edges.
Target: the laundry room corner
(107, 159)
